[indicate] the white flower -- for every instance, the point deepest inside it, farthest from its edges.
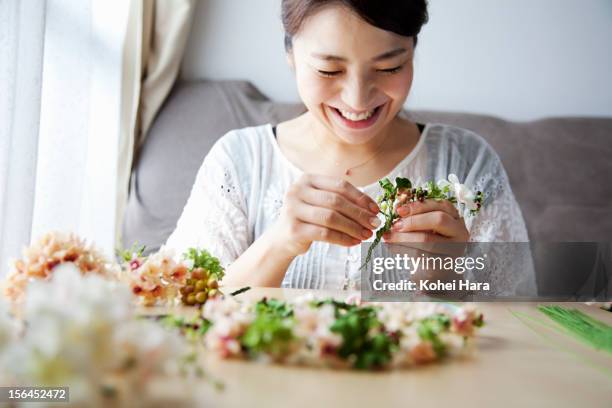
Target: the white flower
(8, 335)
(81, 332)
(462, 193)
(7, 329)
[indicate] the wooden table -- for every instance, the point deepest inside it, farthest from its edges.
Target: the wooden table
(516, 363)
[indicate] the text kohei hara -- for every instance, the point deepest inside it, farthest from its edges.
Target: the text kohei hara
(411, 264)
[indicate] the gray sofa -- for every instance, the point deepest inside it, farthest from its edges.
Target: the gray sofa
(559, 168)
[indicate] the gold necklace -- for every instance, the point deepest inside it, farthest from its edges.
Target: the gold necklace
(348, 170)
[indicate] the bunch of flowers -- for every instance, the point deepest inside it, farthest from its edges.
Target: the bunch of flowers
(162, 278)
(53, 249)
(156, 278)
(80, 331)
(338, 334)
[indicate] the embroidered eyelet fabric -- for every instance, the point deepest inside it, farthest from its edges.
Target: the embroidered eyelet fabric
(240, 187)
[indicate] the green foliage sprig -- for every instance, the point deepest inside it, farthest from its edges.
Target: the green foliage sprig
(135, 251)
(364, 340)
(430, 329)
(272, 330)
(203, 259)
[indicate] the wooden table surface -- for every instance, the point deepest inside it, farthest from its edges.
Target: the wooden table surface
(516, 363)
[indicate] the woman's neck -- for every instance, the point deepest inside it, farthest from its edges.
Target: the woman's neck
(315, 149)
(339, 151)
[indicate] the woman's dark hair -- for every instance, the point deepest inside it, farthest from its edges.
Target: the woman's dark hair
(403, 17)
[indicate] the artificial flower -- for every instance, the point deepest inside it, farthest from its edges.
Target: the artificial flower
(81, 332)
(41, 258)
(332, 333)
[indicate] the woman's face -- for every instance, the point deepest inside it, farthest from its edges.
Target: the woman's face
(352, 76)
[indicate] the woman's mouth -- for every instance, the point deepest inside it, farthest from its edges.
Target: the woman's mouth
(360, 120)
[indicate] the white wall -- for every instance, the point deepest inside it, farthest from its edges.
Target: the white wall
(518, 59)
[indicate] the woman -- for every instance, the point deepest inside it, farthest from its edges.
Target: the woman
(289, 206)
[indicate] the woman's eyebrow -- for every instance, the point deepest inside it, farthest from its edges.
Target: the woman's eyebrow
(383, 56)
(390, 54)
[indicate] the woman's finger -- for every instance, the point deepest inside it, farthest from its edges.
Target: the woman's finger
(345, 188)
(337, 202)
(313, 232)
(439, 222)
(330, 219)
(426, 241)
(420, 207)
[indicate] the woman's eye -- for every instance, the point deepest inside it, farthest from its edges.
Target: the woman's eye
(329, 74)
(391, 70)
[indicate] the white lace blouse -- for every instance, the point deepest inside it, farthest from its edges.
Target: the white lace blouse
(239, 190)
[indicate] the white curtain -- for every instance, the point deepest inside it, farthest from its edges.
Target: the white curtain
(60, 113)
(22, 26)
(79, 119)
(81, 83)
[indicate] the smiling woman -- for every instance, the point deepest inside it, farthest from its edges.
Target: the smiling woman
(353, 66)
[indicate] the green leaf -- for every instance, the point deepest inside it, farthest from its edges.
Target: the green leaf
(429, 329)
(203, 259)
(273, 307)
(127, 255)
(272, 330)
(404, 183)
(388, 187)
(363, 340)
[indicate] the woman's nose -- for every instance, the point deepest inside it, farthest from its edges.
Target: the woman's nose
(356, 93)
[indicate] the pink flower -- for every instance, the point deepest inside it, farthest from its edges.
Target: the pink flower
(135, 264)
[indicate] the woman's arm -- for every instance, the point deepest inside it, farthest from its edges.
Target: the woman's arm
(263, 264)
(316, 208)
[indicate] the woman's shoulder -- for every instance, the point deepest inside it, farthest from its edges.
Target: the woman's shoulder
(242, 148)
(461, 151)
(244, 140)
(466, 139)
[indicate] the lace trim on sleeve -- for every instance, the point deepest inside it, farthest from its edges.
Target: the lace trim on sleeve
(215, 216)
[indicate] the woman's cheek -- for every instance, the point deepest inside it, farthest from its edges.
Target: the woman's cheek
(397, 87)
(315, 90)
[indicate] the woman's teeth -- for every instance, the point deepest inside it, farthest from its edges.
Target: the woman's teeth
(356, 117)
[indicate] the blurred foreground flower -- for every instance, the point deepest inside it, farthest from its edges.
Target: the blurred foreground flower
(54, 249)
(81, 332)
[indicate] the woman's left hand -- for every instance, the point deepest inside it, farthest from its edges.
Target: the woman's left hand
(430, 221)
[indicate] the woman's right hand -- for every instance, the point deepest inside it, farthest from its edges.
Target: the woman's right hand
(322, 208)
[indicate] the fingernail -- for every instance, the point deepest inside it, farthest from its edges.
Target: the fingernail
(375, 222)
(374, 208)
(396, 226)
(386, 235)
(366, 233)
(403, 210)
